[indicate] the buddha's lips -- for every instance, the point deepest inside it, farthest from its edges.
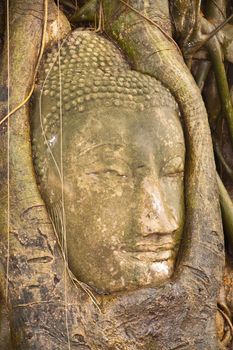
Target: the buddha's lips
(150, 246)
(151, 252)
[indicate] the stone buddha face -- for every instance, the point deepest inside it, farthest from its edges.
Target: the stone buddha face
(122, 161)
(123, 191)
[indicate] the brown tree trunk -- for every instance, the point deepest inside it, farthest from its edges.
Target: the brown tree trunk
(36, 279)
(45, 309)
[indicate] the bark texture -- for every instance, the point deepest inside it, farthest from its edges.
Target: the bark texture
(46, 310)
(36, 271)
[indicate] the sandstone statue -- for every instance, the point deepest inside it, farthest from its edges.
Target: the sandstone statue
(131, 253)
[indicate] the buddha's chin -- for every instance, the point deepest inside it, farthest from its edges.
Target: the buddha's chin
(138, 272)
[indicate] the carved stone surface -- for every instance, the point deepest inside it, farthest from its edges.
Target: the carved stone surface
(121, 179)
(108, 149)
(48, 310)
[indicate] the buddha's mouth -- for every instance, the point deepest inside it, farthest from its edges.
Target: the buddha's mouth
(151, 246)
(147, 250)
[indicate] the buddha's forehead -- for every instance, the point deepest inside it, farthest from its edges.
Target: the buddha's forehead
(120, 131)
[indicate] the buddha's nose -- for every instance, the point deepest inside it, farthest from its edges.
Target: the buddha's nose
(155, 213)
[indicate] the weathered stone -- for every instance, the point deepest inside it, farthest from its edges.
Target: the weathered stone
(110, 104)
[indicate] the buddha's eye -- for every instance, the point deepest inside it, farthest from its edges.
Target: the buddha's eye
(109, 171)
(174, 167)
(113, 172)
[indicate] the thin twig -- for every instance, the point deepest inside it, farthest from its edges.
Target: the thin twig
(218, 7)
(227, 319)
(194, 47)
(215, 31)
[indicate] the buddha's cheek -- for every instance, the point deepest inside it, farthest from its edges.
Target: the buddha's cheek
(97, 226)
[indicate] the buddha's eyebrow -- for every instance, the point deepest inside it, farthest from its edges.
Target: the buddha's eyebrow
(100, 145)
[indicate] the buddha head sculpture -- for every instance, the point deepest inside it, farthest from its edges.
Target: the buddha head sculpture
(109, 154)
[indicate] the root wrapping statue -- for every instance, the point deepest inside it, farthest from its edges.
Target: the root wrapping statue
(140, 221)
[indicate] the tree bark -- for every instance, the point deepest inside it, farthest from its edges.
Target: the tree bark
(45, 309)
(36, 279)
